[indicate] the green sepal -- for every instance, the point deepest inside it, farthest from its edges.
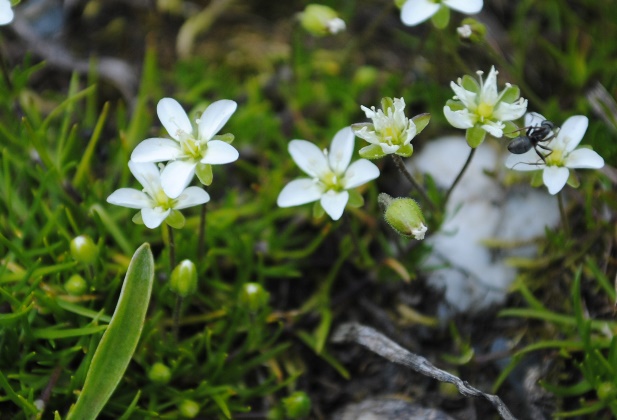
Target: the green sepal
(137, 219)
(470, 84)
(204, 173)
(511, 130)
(510, 94)
(421, 121)
(318, 211)
(441, 18)
(573, 180)
(475, 136)
(405, 151)
(372, 151)
(536, 178)
(359, 126)
(175, 219)
(227, 138)
(387, 103)
(399, 3)
(355, 199)
(455, 105)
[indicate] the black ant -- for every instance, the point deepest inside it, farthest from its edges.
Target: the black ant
(533, 137)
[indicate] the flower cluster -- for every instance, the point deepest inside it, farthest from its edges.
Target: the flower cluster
(479, 108)
(562, 153)
(190, 151)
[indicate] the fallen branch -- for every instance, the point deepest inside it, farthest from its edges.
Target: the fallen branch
(383, 346)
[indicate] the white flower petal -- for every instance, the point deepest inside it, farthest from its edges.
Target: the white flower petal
(469, 7)
(192, 196)
(154, 217)
(6, 13)
(416, 11)
(341, 150)
(148, 175)
(176, 176)
(584, 158)
(219, 153)
(309, 158)
(459, 119)
(215, 117)
(467, 97)
(529, 161)
(489, 94)
(389, 149)
(334, 203)
(360, 172)
(509, 112)
(571, 132)
(131, 198)
(494, 128)
(533, 119)
(299, 191)
(369, 136)
(555, 177)
(173, 117)
(156, 150)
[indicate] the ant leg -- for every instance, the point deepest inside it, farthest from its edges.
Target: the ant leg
(540, 154)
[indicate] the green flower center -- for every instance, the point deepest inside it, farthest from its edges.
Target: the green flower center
(555, 158)
(191, 147)
(332, 182)
(485, 110)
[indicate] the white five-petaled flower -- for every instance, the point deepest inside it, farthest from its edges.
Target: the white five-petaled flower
(191, 150)
(391, 131)
(330, 173)
(154, 204)
(6, 12)
(414, 12)
(564, 154)
(480, 108)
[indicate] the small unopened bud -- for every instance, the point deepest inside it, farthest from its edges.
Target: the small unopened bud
(159, 374)
(83, 249)
(184, 279)
(321, 20)
(76, 285)
(471, 30)
(297, 405)
(254, 296)
(188, 409)
(404, 215)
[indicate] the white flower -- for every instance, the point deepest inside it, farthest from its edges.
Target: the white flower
(464, 31)
(480, 108)
(564, 153)
(335, 25)
(414, 12)
(190, 150)
(154, 204)
(321, 20)
(6, 12)
(330, 173)
(391, 131)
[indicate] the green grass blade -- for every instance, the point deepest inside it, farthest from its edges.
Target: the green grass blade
(116, 348)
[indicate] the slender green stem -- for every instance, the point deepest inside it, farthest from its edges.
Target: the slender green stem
(176, 317)
(460, 174)
(562, 212)
(202, 234)
(172, 248)
(400, 165)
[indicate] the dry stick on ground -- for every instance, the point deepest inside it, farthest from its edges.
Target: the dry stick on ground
(383, 346)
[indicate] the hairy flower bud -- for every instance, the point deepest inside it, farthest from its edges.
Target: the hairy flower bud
(321, 20)
(188, 409)
(254, 296)
(83, 249)
(159, 373)
(297, 405)
(404, 215)
(76, 285)
(184, 279)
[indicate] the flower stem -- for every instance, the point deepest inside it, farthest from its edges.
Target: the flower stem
(562, 212)
(460, 175)
(400, 165)
(176, 317)
(202, 234)
(172, 249)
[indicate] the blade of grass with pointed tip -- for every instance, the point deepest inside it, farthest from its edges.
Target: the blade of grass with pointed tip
(116, 348)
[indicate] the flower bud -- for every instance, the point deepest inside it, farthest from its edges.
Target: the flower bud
(404, 215)
(321, 20)
(184, 279)
(159, 374)
(76, 285)
(254, 296)
(297, 405)
(471, 30)
(188, 409)
(83, 249)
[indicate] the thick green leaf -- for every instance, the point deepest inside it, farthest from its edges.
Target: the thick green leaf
(116, 348)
